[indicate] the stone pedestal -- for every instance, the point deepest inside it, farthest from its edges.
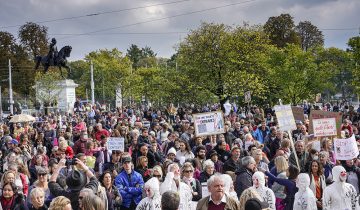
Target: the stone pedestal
(67, 96)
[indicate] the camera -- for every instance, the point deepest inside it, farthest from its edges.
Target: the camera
(70, 162)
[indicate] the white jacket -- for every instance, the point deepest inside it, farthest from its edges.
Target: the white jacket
(184, 191)
(265, 193)
(340, 195)
(154, 202)
(304, 198)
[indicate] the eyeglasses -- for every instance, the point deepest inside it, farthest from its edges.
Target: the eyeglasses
(189, 171)
(157, 176)
(42, 174)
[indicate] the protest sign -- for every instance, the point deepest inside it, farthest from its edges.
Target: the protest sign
(204, 189)
(208, 123)
(346, 149)
(318, 114)
(116, 143)
(324, 127)
(285, 117)
(298, 113)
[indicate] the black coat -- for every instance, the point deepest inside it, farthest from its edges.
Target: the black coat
(18, 204)
(243, 180)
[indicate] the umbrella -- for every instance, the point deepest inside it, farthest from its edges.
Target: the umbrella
(22, 118)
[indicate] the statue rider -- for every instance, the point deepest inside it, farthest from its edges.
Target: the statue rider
(52, 53)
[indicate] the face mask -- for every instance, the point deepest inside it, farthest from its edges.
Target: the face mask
(315, 157)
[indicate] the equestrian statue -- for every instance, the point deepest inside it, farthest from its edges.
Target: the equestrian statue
(54, 58)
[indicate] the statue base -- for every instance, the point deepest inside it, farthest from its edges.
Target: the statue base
(67, 96)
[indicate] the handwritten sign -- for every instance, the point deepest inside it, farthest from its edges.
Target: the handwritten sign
(298, 113)
(116, 143)
(285, 117)
(205, 190)
(209, 123)
(324, 127)
(318, 114)
(346, 149)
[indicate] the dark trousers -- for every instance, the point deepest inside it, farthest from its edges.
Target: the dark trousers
(132, 206)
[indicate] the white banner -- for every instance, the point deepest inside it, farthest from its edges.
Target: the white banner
(285, 117)
(209, 123)
(324, 127)
(346, 149)
(116, 143)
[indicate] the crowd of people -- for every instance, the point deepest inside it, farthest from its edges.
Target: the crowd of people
(63, 162)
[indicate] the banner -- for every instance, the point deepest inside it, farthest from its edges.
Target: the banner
(324, 127)
(318, 114)
(346, 149)
(285, 117)
(209, 123)
(298, 113)
(116, 143)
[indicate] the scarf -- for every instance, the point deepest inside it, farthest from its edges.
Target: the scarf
(6, 204)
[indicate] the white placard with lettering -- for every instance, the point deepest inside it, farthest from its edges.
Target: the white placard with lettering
(324, 127)
(116, 143)
(346, 149)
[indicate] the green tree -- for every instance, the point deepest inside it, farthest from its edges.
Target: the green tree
(34, 38)
(309, 34)
(135, 54)
(339, 66)
(296, 74)
(281, 30)
(225, 62)
(354, 44)
(111, 68)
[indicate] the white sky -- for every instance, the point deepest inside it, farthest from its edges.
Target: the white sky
(325, 14)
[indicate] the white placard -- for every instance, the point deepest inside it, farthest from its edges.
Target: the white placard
(205, 190)
(209, 123)
(116, 143)
(324, 127)
(316, 145)
(346, 149)
(285, 117)
(247, 96)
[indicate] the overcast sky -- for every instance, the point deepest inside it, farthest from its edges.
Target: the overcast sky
(119, 29)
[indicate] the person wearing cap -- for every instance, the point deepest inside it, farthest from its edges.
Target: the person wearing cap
(217, 163)
(130, 184)
(75, 181)
(171, 155)
(217, 199)
(8, 146)
(256, 204)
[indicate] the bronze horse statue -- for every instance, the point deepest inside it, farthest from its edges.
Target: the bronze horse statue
(59, 60)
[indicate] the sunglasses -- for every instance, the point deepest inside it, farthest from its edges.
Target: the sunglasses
(190, 171)
(42, 174)
(157, 176)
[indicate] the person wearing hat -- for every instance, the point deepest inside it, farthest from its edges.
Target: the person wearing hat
(217, 163)
(256, 204)
(171, 154)
(130, 184)
(76, 180)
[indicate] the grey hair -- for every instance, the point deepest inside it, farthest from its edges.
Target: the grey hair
(36, 191)
(227, 182)
(208, 163)
(324, 153)
(87, 191)
(299, 141)
(170, 200)
(245, 161)
(212, 179)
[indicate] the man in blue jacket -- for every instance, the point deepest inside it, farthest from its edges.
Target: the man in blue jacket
(130, 185)
(261, 132)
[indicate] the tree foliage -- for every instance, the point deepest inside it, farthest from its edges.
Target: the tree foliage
(310, 35)
(34, 38)
(281, 30)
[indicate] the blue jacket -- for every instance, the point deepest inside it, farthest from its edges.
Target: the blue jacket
(130, 190)
(258, 134)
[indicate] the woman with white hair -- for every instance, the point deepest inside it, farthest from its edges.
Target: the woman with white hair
(173, 182)
(37, 197)
(152, 201)
(209, 169)
(229, 186)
